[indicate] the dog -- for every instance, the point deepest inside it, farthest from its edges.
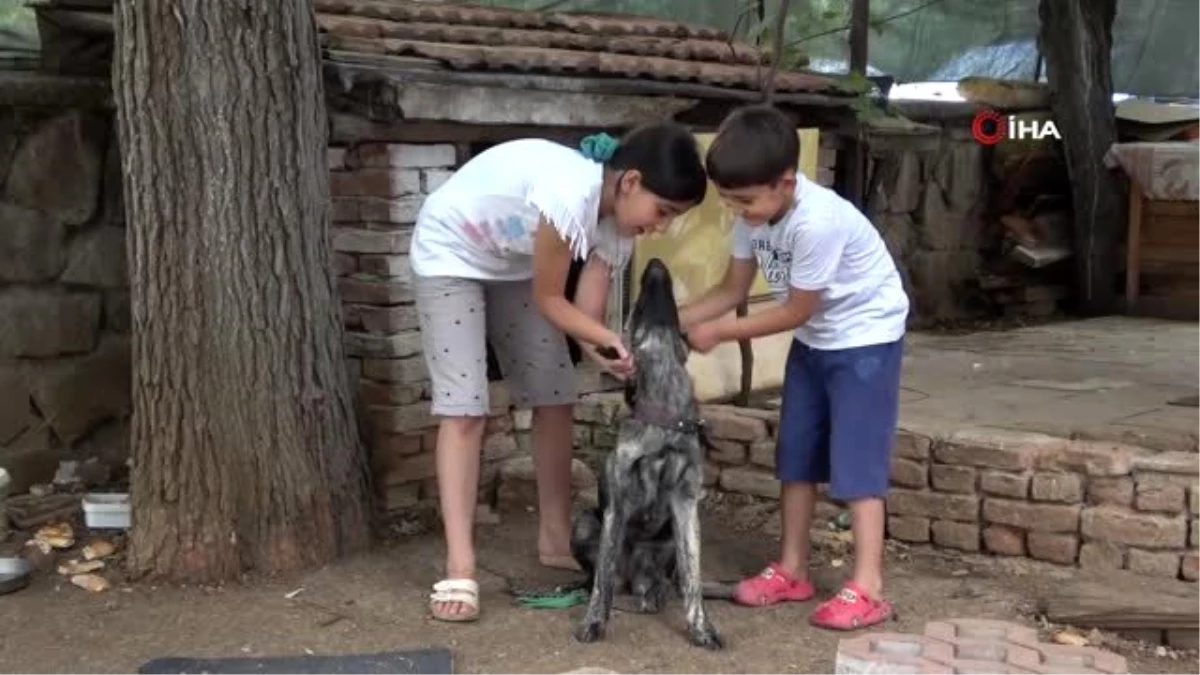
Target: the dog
(644, 536)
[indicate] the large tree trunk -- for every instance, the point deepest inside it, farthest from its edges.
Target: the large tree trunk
(1076, 38)
(246, 454)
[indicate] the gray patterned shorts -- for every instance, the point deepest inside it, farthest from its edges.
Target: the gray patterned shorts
(459, 317)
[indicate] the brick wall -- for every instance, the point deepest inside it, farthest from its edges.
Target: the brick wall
(1091, 504)
(1078, 503)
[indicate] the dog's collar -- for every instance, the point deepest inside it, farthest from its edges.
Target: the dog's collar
(650, 415)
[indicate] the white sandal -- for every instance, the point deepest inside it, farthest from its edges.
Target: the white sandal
(446, 591)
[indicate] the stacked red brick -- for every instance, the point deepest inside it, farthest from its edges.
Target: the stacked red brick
(377, 190)
(970, 646)
(1092, 504)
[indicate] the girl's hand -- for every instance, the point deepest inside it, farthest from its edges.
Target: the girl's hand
(612, 357)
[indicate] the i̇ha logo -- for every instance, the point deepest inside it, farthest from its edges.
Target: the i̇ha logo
(990, 127)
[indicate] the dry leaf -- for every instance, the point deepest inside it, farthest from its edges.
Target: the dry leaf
(74, 567)
(92, 582)
(98, 549)
(58, 535)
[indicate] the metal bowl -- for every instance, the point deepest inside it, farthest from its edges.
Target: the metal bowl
(14, 574)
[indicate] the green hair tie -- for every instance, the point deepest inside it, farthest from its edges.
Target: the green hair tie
(557, 599)
(599, 147)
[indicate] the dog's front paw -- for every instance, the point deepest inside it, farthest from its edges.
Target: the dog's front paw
(707, 637)
(589, 631)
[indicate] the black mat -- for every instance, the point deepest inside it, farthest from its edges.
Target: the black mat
(417, 661)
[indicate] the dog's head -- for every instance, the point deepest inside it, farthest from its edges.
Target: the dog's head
(654, 331)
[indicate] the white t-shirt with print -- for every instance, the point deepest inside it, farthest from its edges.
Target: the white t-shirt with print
(480, 224)
(825, 244)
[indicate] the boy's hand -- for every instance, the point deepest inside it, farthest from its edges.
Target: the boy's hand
(704, 336)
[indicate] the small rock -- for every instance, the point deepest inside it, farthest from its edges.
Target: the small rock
(1160, 651)
(843, 520)
(836, 562)
(76, 567)
(91, 582)
(99, 548)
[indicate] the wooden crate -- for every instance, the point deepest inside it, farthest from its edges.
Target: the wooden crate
(1162, 269)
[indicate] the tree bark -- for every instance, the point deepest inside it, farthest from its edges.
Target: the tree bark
(246, 455)
(1076, 39)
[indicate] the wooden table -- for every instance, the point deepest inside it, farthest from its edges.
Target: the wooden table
(1162, 264)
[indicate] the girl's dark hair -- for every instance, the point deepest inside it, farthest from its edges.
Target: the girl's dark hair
(666, 155)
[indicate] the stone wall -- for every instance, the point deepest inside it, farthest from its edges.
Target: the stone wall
(64, 296)
(929, 203)
(1078, 503)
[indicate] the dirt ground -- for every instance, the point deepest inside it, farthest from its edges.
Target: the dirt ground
(1112, 377)
(376, 602)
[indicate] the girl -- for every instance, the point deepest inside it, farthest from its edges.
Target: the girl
(491, 252)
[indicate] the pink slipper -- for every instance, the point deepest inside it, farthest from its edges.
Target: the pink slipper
(770, 586)
(851, 609)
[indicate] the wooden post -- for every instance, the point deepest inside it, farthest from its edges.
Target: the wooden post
(860, 25)
(1133, 247)
(856, 152)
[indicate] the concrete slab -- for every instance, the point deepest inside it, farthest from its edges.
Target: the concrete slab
(1107, 378)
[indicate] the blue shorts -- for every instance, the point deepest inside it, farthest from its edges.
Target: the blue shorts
(838, 418)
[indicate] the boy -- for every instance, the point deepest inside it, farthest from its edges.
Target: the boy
(839, 290)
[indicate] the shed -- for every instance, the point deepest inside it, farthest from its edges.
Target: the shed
(413, 90)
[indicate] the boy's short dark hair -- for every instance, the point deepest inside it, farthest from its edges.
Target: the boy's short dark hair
(755, 145)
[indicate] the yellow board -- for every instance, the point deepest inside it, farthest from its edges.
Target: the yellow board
(697, 245)
(696, 249)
